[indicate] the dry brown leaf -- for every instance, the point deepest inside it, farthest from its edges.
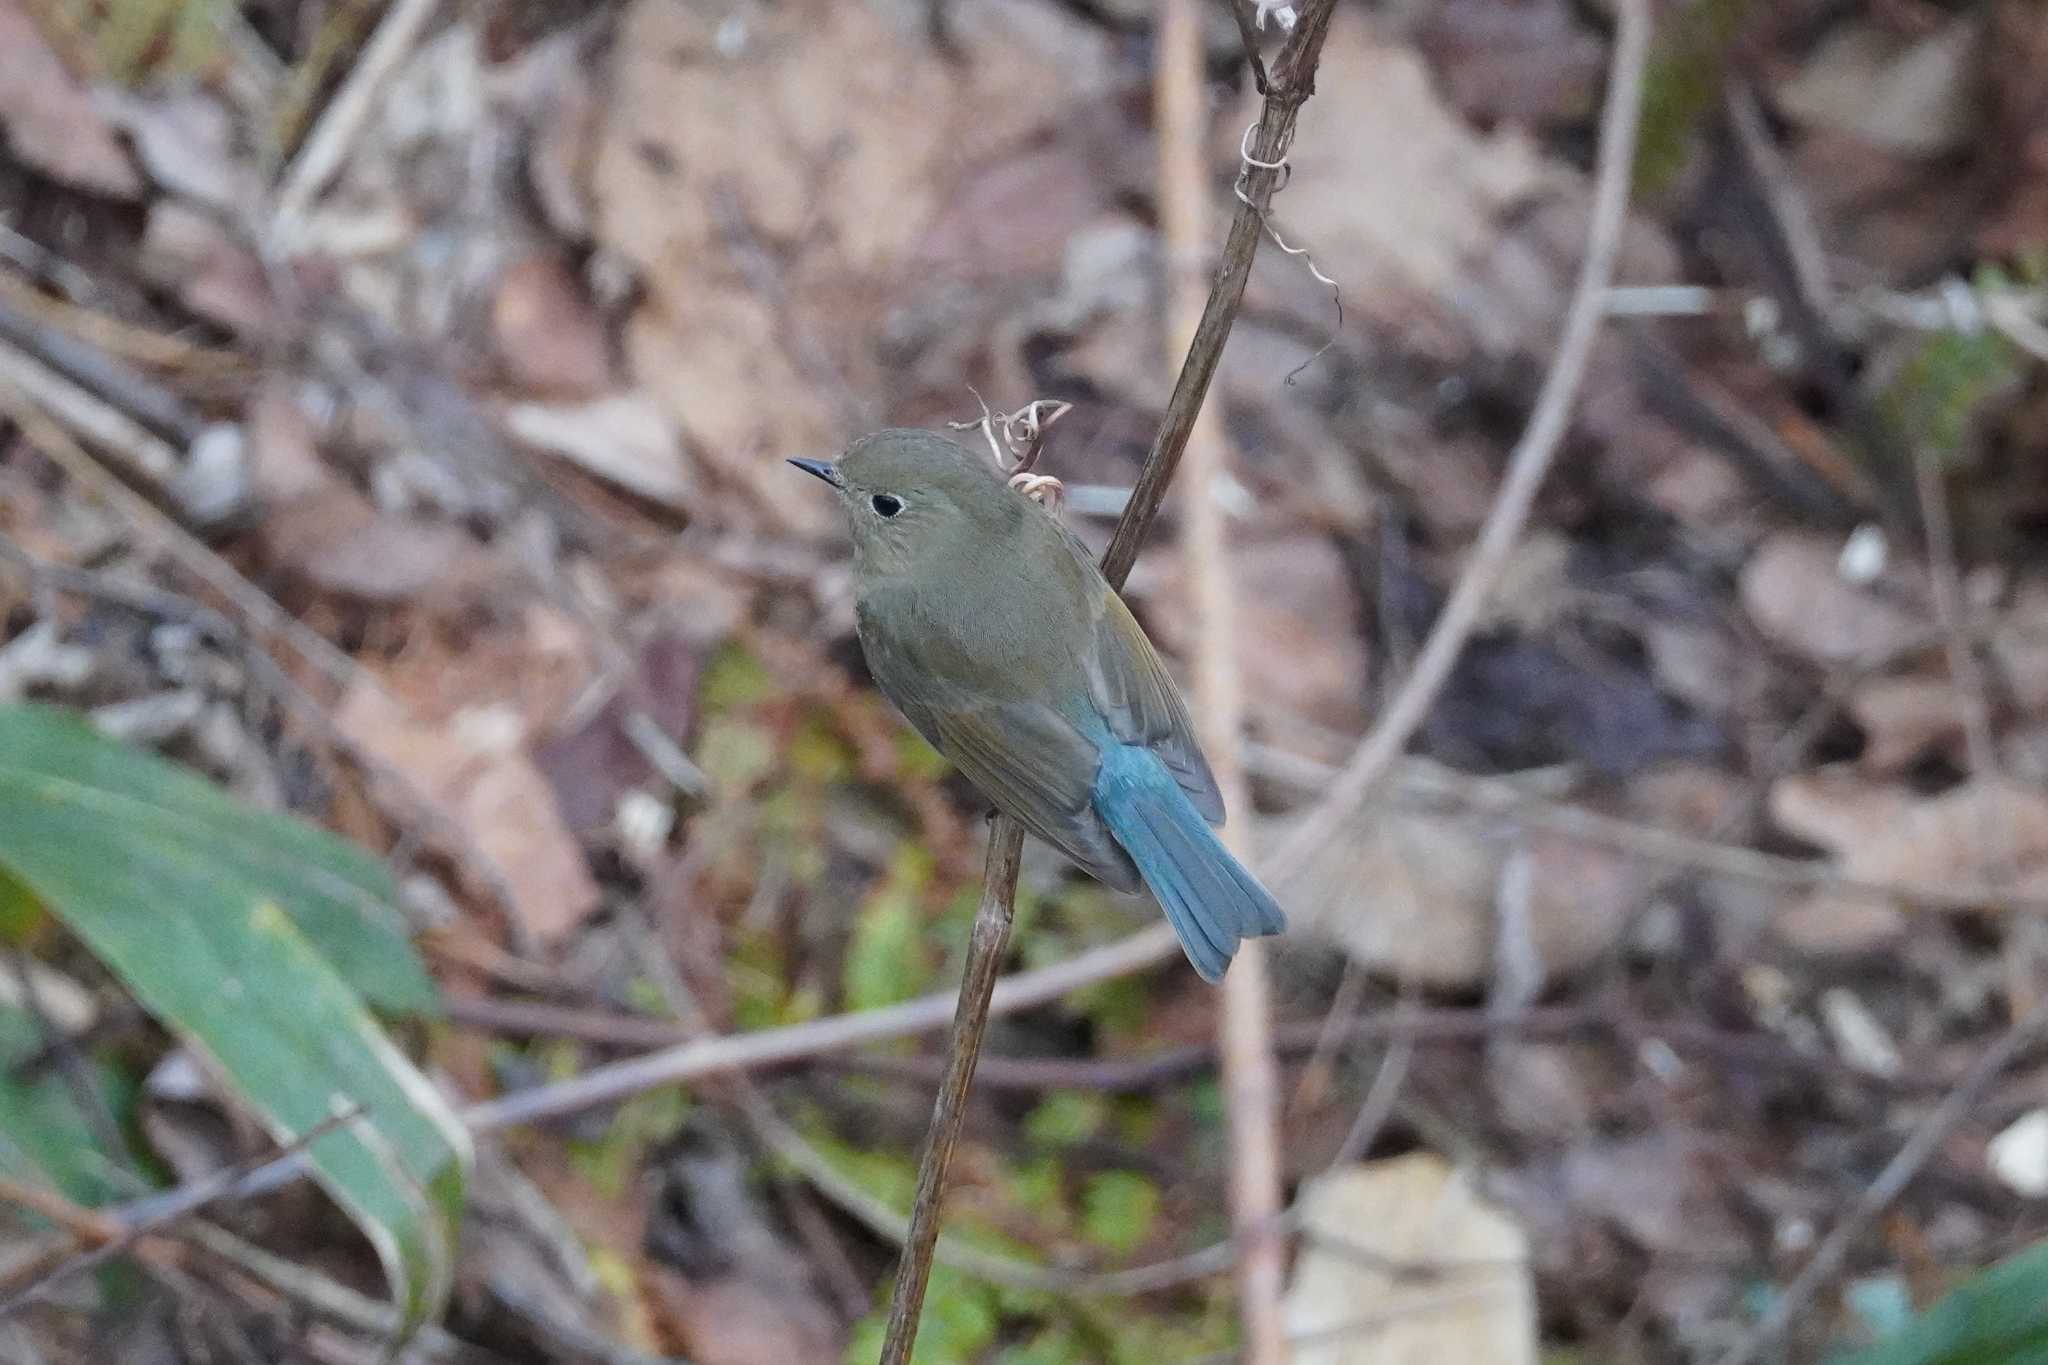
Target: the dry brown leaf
(1697, 798)
(1536, 590)
(2018, 127)
(1885, 211)
(475, 768)
(546, 331)
(1544, 1085)
(284, 451)
(1890, 834)
(1015, 216)
(593, 766)
(813, 142)
(391, 559)
(552, 81)
(1840, 924)
(1699, 487)
(692, 118)
(1414, 1210)
(1658, 1189)
(215, 274)
(539, 670)
(1904, 720)
(1415, 894)
(339, 543)
(625, 439)
(1793, 589)
(1580, 899)
(1922, 97)
(1405, 893)
(1702, 663)
(187, 145)
(712, 395)
(50, 119)
(1885, 833)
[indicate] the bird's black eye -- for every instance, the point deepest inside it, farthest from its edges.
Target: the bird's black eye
(886, 504)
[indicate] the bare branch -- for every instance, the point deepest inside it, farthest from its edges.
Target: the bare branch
(970, 1022)
(110, 1234)
(1291, 82)
(327, 146)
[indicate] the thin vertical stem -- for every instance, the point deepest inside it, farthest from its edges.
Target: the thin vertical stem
(1250, 1086)
(970, 1021)
(1291, 81)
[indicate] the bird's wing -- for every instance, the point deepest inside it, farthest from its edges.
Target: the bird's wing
(1033, 765)
(1027, 759)
(1131, 689)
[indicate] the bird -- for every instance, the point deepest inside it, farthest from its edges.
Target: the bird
(987, 623)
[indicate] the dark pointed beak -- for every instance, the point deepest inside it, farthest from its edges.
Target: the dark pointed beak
(824, 469)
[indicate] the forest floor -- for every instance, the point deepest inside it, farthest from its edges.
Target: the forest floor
(450, 356)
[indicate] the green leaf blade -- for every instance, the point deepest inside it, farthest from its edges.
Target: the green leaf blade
(227, 924)
(342, 897)
(1998, 1316)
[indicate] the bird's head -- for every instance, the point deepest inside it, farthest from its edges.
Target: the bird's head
(913, 497)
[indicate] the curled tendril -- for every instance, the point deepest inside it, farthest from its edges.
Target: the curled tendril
(1282, 13)
(1043, 489)
(1244, 154)
(1284, 171)
(1015, 439)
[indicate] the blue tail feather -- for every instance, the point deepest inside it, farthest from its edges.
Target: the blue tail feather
(1208, 897)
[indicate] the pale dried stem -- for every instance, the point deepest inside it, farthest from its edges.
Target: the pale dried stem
(345, 116)
(1250, 1086)
(1420, 788)
(144, 457)
(124, 341)
(1974, 712)
(324, 1297)
(110, 1236)
(622, 1080)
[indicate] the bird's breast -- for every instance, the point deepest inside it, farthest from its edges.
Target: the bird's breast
(998, 635)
